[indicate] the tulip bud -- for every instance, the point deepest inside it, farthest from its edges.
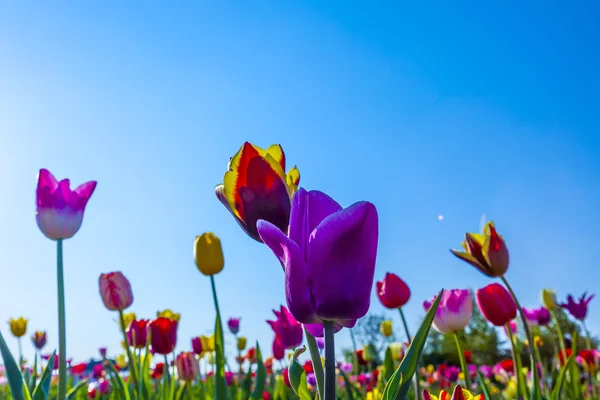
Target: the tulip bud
(397, 351)
(549, 299)
(115, 291)
(392, 291)
(487, 252)
(369, 352)
(208, 343)
(278, 349)
(187, 366)
(234, 325)
(197, 346)
(208, 254)
(163, 335)
(39, 339)
(137, 333)
(18, 327)
(241, 343)
(496, 304)
(386, 328)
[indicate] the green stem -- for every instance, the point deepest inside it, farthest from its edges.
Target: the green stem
(328, 328)
(463, 362)
(517, 364)
(417, 384)
(130, 360)
(62, 324)
(316, 361)
(20, 353)
(355, 355)
(588, 337)
(216, 300)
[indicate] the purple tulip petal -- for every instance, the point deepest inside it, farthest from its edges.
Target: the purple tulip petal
(296, 278)
(84, 192)
(318, 331)
(341, 258)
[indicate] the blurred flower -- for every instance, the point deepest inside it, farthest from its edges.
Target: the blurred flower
(563, 357)
(549, 299)
(115, 291)
(18, 327)
(137, 333)
(454, 311)
(536, 316)
(311, 379)
(496, 304)
(487, 252)
(39, 339)
(91, 391)
(578, 309)
(386, 328)
(329, 258)
(158, 370)
(468, 356)
(208, 343)
(78, 369)
(286, 377)
(121, 361)
(308, 367)
(208, 254)
(197, 346)
(588, 359)
(251, 355)
(397, 351)
(485, 370)
(229, 378)
(392, 291)
(513, 328)
(278, 348)
(102, 351)
(256, 187)
(458, 394)
(104, 386)
(369, 352)
(286, 328)
(360, 357)
(129, 318)
(163, 335)
(320, 342)
(59, 210)
(234, 325)
(98, 371)
(187, 366)
(169, 314)
(241, 343)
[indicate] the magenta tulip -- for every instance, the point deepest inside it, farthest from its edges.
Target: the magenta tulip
(287, 328)
(454, 311)
(115, 291)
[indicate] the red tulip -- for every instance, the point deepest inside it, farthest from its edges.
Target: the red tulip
(158, 371)
(137, 333)
(278, 349)
(392, 291)
(496, 304)
(163, 335)
(286, 377)
(115, 291)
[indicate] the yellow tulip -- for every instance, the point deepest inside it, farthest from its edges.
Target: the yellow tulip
(121, 361)
(241, 343)
(397, 351)
(208, 343)
(18, 326)
(129, 318)
(210, 357)
(169, 314)
(430, 369)
(549, 299)
(208, 254)
(386, 328)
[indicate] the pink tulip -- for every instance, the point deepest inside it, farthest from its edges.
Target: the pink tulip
(454, 311)
(59, 210)
(187, 365)
(115, 291)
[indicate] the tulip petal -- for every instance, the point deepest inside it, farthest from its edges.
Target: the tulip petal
(471, 260)
(341, 256)
(293, 179)
(46, 186)
(317, 330)
(276, 151)
(297, 282)
(84, 192)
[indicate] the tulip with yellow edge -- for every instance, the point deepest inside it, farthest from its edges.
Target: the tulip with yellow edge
(208, 254)
(487, 252)
(128, 318)
(169, 314)
(241, 343)
(386, 328)
(458, 394)
(397, 350)
(18, 327)
(549, 299)
(121, 361)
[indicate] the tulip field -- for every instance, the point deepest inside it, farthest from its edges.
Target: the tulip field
(327, 255)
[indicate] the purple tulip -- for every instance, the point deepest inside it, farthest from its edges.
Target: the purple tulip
(454, 312)
(287, 328)
(102, 351)
(329, 258)
(234, 325)
(197, 346)
(320, 343)
(486, 371)
(578, 309)
(537, 316)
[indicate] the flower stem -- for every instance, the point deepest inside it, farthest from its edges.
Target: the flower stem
(20, 353)
(316, 361)
(559, 333)
(355, 355)
(416, 376)
(130, 360)
(517, 365)
(588, 339)
(463, 362)
(62, 324)
(328, 327)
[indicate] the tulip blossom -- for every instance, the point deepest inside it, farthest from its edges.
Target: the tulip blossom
(208, 343)
(549, 299)
(104, 386)
(241, 343)
(537, 316)
(578, 309)
(589, 360)
(287, 328)
(392, 291)
(115, 291)
(329, 258)
(102, 351)
(234, 325)
(169, 314)
(320, 342)
(197, 346)
(496, 304)
(18, 327)
(386, 328)
(512, 325)
(256, 187)
(278, 348)
(59, 210)
(98, 371)
(458, 394)
(187, 366)
(208, 254)
(487, 252)
(397, 350)
(137, 333)
(163, 335)
(454, 311)
(39, 339)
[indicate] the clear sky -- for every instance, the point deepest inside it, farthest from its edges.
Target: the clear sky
(448, 108)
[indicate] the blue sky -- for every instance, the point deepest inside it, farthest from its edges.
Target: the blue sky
(453, 109)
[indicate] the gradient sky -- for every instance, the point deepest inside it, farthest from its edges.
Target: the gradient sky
(454, 109)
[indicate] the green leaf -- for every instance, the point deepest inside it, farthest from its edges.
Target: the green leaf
(181, 392)
(558, 385)
(297, 376)
(17, 384)
(261, 376)
(118, 381)
(42, 389)
(536, 390)
(388, 365)
(33, 378)
(487, 393)
(574, 370)
(399, 384)
(220, 383)
(71, 393)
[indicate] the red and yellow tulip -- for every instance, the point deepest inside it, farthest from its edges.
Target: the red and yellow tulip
(487, 252)
(458, 394)
(256, 186)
